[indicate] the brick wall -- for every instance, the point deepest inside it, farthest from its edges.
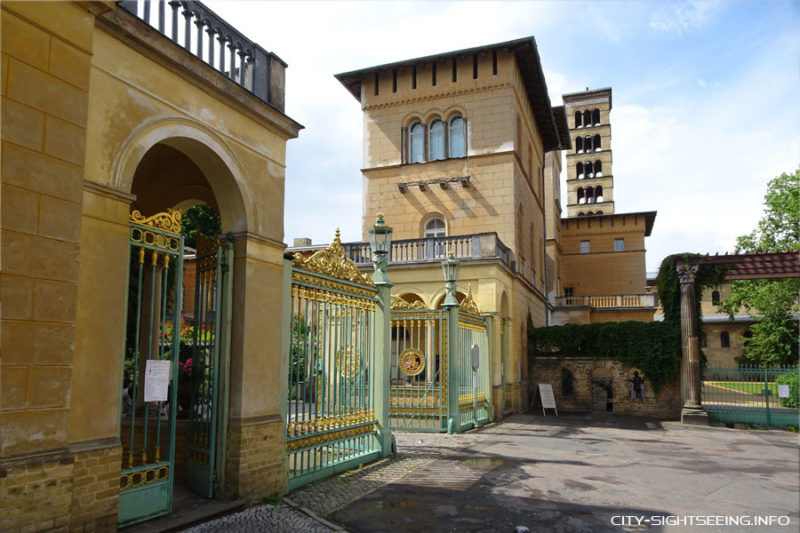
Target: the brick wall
(35, 492)
(95, 488)
(666, 405)
(256, 459)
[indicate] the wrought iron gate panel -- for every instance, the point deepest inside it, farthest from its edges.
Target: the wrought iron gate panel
(418, 370)
(473, 372)
(331, 423)
(152, 333)
(210, 346)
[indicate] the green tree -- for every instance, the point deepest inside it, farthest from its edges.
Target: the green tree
(202, 220)
(772, 302)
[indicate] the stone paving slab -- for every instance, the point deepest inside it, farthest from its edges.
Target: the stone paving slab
(568, 473)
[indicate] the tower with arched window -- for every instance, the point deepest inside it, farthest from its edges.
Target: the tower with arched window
(588, 163)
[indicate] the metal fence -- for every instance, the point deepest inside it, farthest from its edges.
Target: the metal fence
(418, 370)
(760, 395)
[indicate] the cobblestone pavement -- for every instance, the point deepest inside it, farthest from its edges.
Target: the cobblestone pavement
(304, 508)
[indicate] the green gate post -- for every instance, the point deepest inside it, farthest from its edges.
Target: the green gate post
(450, 268)
(489, 320)
(286, 326)
(766, 393)
(382, 344)
(380, 236)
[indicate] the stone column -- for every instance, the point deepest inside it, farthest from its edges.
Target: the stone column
(692, 412)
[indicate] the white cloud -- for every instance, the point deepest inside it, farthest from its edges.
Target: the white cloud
(683, 17)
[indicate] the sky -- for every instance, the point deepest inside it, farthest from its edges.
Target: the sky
(706, 98)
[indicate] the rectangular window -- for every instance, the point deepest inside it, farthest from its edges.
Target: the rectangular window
(433, 73)
(584, 247)
(474, 66)
(619, 245)
(455, 70)
(568, 292)
(414, 77)
(376, 83)
(394, 81)
(494, 62)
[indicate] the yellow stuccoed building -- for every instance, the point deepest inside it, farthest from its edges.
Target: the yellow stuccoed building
(105, 116)
(112, 120)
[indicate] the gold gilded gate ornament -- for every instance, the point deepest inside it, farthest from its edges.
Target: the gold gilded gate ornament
(333, 262)
(412, 362)
(347, 360)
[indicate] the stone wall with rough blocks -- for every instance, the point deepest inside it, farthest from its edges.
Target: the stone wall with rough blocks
(665, 405)
(256, 459)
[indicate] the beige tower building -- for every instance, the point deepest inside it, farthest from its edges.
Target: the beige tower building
(590, 182)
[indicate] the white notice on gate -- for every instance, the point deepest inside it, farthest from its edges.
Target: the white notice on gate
(783, 391)
(156, 380)
(546, 394)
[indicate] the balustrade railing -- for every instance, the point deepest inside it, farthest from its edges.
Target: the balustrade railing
(429, 249)
(223, 48)
(608, 302)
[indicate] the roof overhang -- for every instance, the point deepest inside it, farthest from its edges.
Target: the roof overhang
(530, 66)
(649, 219)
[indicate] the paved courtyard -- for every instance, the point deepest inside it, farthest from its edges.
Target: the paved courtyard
(569, 473)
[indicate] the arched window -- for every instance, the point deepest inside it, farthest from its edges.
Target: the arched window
(587, 117)
(578, 119)
(589, 195)
(436, 140)
(587, 143)
(579, 170)
(581, 198)
(579, 145)
(715, 297)
(598, 169)
(590, 213)
(589, 169)
(416, 143)
(458, 145)
(595, 117)
(596, 143)
(599, 212)
(581, 213)
(598, 194)
(724, 340)
(435, 227)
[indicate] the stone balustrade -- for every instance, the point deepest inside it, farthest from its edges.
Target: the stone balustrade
(618, 301)
(223, 48)
(435, 249)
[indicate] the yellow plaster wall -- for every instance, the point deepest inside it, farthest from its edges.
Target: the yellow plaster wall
(45, 64)
(604, 271)
(131, 92)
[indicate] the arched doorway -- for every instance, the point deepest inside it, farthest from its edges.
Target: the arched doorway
(173, 429)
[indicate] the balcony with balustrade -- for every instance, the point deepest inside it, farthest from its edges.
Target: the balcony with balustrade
(618, 301)
(435, 249)
(205, 35)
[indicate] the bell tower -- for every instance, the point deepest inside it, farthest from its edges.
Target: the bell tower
(590, 181)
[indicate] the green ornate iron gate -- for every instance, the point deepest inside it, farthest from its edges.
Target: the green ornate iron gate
(472, 369)
(334, 383)
(209, 367)
(418, 370)
(150, 367)
(440, 368)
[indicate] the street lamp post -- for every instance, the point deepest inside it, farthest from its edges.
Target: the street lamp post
(450, 267)
(380, 241)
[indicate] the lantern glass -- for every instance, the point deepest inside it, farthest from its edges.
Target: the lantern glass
(450, 267)
(380, 236)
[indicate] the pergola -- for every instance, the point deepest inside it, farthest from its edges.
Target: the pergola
(766, 265)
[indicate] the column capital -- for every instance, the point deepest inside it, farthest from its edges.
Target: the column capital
(686, 272)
